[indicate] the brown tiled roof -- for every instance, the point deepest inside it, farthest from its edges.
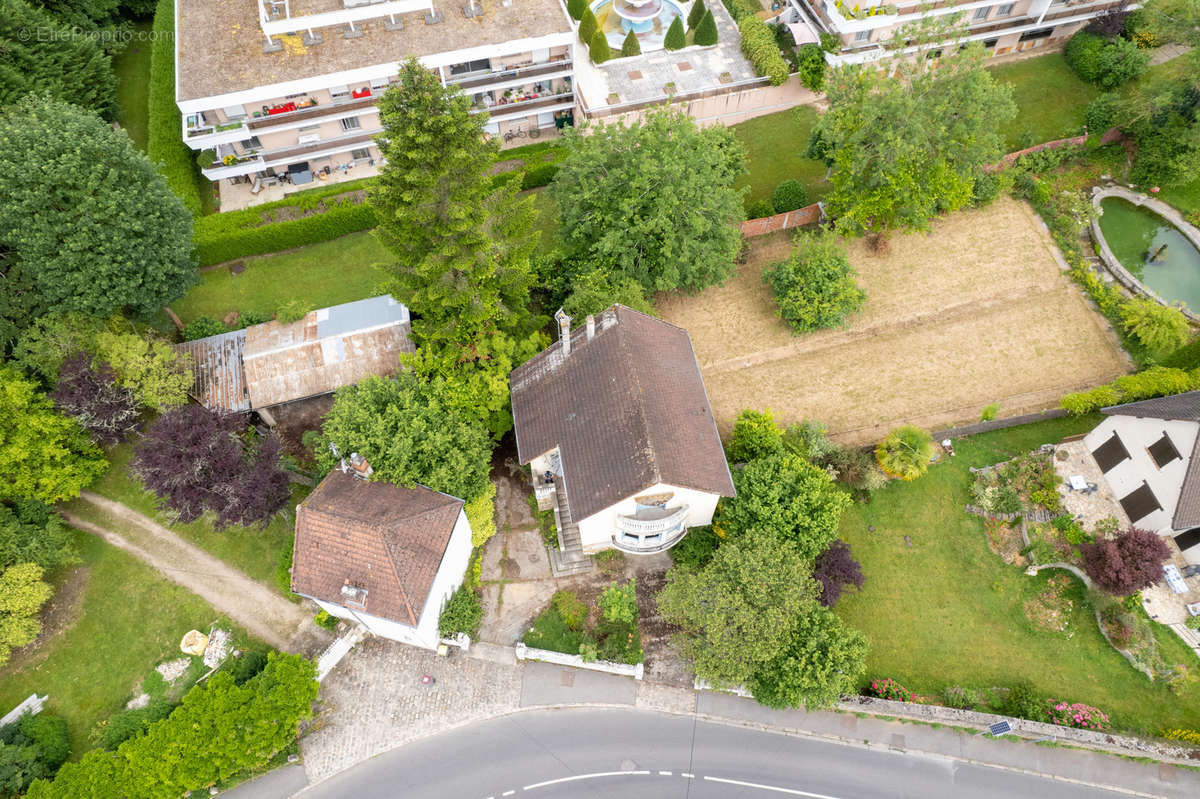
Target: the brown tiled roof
(627, 410)
(327, 349)
(379, 536)
(218, 381)
(1187, 510)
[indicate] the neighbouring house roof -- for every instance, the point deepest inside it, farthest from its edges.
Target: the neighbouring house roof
(626, 409)
(385, 538)
(217, 379)
(327, 349)
(1182, 408)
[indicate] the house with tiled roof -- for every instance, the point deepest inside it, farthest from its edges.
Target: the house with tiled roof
(380, 554)
(1149, 454)
(616, 426)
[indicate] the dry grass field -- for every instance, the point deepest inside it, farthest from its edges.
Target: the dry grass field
(976, 312)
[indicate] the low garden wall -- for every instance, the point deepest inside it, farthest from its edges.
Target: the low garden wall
(998, 424)
(808, 215)
(575, 661)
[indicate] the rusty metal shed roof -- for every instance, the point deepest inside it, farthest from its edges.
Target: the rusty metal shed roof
(327, 349)
(218, 382)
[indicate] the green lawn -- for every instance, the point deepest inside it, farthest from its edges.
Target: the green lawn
(1186, 197)
(1050, 99)
(256, 551)
(775, 146)
(132, 67)
(547, 221)
(328, 273)
(946, 611)
(130, 618)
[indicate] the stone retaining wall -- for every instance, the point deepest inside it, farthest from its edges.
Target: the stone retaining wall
(998, 424)
(623, 669)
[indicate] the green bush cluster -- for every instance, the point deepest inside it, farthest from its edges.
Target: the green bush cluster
(1101, 113)
(1157, 381)
(1106, 62)
(126, 724)
(741, 8)
(758, 45)
(225, 237)
(760, 209)
(164, 138)
(32, 747)
(538, 175)
(326, 619)
(563, 626)
(706, 31)
(463, 613)
(789, 195)
(219, 730)
(810, 63)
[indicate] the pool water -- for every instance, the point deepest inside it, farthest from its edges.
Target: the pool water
(649, 40)
(1132, 232)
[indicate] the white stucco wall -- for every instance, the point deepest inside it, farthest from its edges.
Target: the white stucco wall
(449, 578)
(1138, 434)
(596, 531)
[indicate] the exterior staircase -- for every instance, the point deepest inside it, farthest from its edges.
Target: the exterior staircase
(568, 559)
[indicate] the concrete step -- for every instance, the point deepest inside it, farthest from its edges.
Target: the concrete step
(563, 564)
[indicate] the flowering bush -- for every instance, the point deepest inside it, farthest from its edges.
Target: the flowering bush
(1085, 717)
(887, 688)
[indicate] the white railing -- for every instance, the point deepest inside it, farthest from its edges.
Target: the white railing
(32, 706)
(544, 492)
(634, 526)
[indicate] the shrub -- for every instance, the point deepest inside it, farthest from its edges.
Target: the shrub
(962, 698)
(834, 570)
(481, 515)
(755, 435)
(815, 287)
(576, 8)
(89, 394)
(588, 26)
(126, 724)
(989, 412)
(758, 45)
(202, 327)
(696, 14)
(1160, 328)
(618, 603)
(598, 49)
(706, 31)
(760, 209)
(164, 135)
(1083, 55)
(1083, 402)
(831, 42)
(629, 47)
(789, 195)
(237, 234)
(462, 613)
(989, 186)
(854, 467)
(1071, 530)
(294, 311)
(1156, 381)
(697, 547)
(609, 561)
(618, 642)
(1024, 702)
(810, 63)
(571, 608)
(676, 38)
(1120, 62)
(1188, 736)
(1127, 563)
(905, 452)
(248, 666)
(1101, 113)
(1078, 715)
(550, 631)
(539, 175)
(49, 734)
(327, 620)
(887, 688)
(1193, 623)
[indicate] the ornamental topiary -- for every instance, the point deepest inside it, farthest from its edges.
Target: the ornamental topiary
(631, 46)
(789, 195)
(696, 14)
(576, 8)
(706, 31)
(676, 39)
(588, 26)
(598, 49)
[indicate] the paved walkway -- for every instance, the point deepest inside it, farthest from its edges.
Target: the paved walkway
(254, 606)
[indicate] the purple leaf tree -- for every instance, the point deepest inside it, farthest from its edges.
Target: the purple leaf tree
(1129, 562)
(90, 394)
(835, 569)
(197, 461)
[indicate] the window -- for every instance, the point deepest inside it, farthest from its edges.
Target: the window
(467, 67)
(1163, 451)
(862, 36)
(361, 154)
(1005, 10)
(350, 123)
(308, 128)
(990, 43)
(1140, 503)
(1110, 453)
(252, 143)
(982, 13)
(1186, 541)
(1040, 33)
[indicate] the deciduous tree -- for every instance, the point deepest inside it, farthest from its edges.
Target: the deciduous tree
(197, 462)
(815, 286)
(1127, 563)
(30, 533)
(90, 395)
(411, 431)
(909, 138)
(598, 289)
(836, 569)
(93, 227)
(22, 594)
(44, 455)
(1159, 327)
(821, 662)
(755, 435)
(653, 200)
(155, 372)
(789, 496)
(737, 613)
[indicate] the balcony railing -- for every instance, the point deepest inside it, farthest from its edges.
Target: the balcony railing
(301, 114)
(311, 149)
(469, 82)
(544, 493)
(652, 532)
(526, 106)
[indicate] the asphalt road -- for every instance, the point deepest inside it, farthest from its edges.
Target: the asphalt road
(630, 754)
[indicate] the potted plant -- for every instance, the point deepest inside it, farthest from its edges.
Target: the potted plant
(229, 160)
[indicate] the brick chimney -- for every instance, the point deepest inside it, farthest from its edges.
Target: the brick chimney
(591, 327)
(564, 330)
(359, 466)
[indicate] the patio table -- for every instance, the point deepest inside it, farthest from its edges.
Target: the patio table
(1078, 483)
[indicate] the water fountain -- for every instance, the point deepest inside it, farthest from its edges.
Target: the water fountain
(647, 19)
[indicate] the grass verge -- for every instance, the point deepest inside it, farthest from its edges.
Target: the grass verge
(132, 66)
(1050, 99)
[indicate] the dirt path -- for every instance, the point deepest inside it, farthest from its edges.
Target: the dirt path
(254, 606)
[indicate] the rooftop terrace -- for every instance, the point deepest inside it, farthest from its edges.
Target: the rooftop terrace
(220, 43)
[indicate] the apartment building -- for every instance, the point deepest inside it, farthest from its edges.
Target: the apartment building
(866, 27)
(285, 90)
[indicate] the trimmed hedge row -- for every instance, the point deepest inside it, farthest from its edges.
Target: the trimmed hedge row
(225, 241)
(1157, 381)
(759, 45)
(164, 143)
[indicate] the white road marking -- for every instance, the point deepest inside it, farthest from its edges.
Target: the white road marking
(687, 776)
(508, 793)
(664, 774)
(791, 791)
(584, 777)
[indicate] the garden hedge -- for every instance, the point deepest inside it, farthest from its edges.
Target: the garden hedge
(225, 237)
(164, 138)
(758, 45)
